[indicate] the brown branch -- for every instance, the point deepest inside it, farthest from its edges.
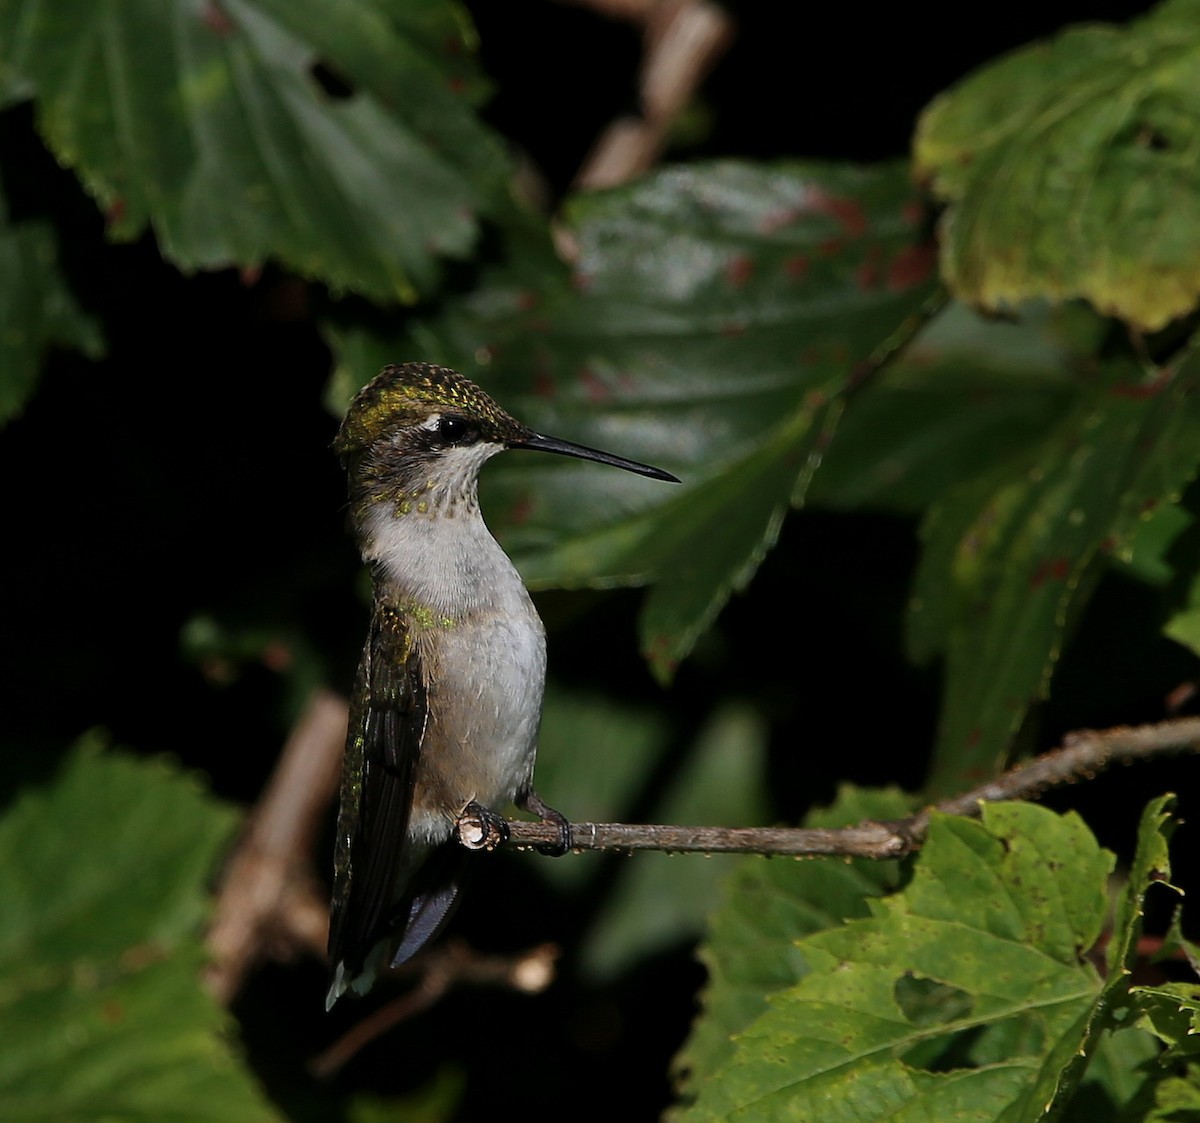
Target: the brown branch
(267, 897)
(1083, 755)
(442, 967)
(682, 40)
(270, 904)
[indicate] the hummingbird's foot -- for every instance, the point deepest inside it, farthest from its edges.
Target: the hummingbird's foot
(480, 828)
(533, 803)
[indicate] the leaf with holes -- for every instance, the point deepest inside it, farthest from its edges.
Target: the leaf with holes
(967, 995)
(246, 129)
(1069, 170)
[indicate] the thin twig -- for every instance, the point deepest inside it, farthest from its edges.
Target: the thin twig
(682, 40)
(270, 903)
(268, 897)
(441, 968)
(1082, 755)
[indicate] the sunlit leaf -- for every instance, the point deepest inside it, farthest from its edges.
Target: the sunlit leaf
(994, 926)
(1069, 169)
(766, 906)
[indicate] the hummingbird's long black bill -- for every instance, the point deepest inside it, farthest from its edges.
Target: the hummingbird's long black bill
(539, 443)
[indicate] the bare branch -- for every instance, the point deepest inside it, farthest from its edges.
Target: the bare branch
(441, 968)
(270, 902)
(682, 41)
(1082, 755)
(267, 896)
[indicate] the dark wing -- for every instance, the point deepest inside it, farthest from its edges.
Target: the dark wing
(387, 725)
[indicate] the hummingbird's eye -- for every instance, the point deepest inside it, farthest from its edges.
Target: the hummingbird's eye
(452, 429)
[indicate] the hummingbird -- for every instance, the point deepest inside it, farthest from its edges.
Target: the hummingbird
(448, 696)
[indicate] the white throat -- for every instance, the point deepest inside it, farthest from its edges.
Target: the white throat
(434, 545)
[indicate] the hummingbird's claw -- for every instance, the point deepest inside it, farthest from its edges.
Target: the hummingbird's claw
(480, 828)
(534, 804)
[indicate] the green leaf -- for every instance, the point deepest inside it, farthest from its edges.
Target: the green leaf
(208, 122)
(966, 995)
(1120, 1079)
(1009, 559)
(1069, 169)
(103, 877)
(1171, 1011)
(714, 314)
(1176, 1099)
(437, 1101)
(1184, 625)
(766, 905)
(967, 393)
(37, 311)
(662, 899)
(713, 539)
(1151, 866)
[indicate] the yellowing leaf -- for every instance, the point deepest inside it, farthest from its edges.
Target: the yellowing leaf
(1069, 169)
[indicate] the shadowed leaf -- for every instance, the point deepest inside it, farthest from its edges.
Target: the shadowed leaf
(713, 316)
(37, 311)
(347, 148)
(1010, 557)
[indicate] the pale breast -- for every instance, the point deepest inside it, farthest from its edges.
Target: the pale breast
(485, 707)
(483, 651)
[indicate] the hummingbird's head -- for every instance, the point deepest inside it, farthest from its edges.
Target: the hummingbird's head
(422, 411)
(416, 436)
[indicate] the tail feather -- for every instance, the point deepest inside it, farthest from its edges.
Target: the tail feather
(427, 916)
(421, 912)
